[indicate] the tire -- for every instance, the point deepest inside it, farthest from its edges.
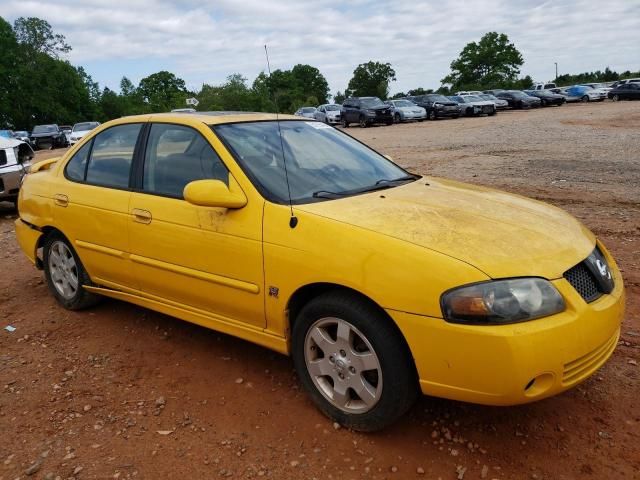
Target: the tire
(344, 122)
(387, 378)
(456, 116)
(585, 99)
(616, 98)
(396, 118)
(66, 276)
(432, 115)
(362, 121)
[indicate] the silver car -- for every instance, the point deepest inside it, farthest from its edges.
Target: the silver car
(79, 130)
(406, 110)
(306, 112)
(500, 103)
(15, 160)
(328, 113)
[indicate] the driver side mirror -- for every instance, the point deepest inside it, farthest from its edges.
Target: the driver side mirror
(214, 193)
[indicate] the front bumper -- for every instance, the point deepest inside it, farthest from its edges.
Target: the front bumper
(448, 111)
(518, 363)
(379, 118)
(10, 180)
(333, 120)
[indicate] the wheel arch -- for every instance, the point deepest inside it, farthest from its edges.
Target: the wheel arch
(46, 231)
(306, 293)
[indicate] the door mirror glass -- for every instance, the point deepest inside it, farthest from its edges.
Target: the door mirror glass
(214, 193)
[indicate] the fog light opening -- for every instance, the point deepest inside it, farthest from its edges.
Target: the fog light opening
(539, 385)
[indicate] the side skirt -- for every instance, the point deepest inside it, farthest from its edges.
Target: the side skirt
(255, 335)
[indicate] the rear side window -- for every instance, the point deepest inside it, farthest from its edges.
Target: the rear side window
(112, 155)
(77, 166)
(177, 155)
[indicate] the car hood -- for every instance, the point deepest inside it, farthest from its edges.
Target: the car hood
(9, 142)
(501, 234)
(411, 109)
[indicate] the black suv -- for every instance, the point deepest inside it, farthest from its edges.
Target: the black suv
(48, 136)
(437, 106)
(365, 111)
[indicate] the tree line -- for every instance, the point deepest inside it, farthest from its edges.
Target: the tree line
(38, 86)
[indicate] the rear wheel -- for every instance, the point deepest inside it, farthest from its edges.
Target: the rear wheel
(432, 115)
(353, 362)
(363, 122)
(615, 98)
(65, 274)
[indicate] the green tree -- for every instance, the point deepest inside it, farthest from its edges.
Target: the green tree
(339, 97)
(309, 80)
(163, 91)
(493, 61)
(8, 74)
(420, 91)
(371, 79)
(38, 35)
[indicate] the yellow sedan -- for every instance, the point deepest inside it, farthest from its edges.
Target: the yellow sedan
(293, 235)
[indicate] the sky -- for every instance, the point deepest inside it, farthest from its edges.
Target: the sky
(204, 41)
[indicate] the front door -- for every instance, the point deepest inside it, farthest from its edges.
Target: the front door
(208, 259)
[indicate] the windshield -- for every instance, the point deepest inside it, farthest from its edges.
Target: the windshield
(81, 127)
(332, 107)
(487, 96)
(474, 98)
(403, 103)
(44, 129)
(371, 102)
(321, 161)
(438, 98)
(457, 98)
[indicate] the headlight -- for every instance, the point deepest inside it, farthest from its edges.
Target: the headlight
(502, 301)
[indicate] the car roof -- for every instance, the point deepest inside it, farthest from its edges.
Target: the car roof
(210, 118)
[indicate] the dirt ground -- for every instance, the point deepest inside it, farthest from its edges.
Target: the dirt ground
(123, 392)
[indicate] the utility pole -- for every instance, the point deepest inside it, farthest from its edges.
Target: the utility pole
(556, 64)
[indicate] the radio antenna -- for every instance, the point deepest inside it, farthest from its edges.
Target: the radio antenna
(293, 221)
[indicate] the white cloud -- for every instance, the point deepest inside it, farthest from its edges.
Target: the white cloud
(204, 41)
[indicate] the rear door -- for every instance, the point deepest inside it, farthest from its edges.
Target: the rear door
(91, 203)
(203, 258)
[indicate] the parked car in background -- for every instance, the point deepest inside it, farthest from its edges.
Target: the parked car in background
(328, 113)
(606, 87)
(622, 82)
(79, 130)
(495, 91)
(22, 135)
(547, 97)
(626, 91)
(499, 103)
(307, 112)
(567, 98)
(586, 94)
(543, 86)
(48, 136)
(471, 105)
(66, 129)
(518, 99)
(7, 134)
(469, 92)
(15, 161)
(405, 110)
(437, 106)
(365, 111)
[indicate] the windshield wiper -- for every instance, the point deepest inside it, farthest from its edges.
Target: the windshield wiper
(327, 194)
(406, 178)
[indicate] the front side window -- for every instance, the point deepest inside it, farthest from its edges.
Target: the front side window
(112, 155)
(322, 163)
(77, 166)
(176, 156)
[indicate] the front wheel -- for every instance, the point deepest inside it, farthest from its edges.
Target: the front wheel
(344, 122)
(65, 274)
(353, 361)
(615, 98)
(432, 115)
(396, 118)
(585, 98)
(363, 122)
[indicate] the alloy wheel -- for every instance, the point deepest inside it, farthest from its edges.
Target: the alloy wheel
(64, 271)
(343, 365)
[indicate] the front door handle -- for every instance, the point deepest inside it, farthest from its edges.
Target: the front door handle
(141, 216)
(61, 200)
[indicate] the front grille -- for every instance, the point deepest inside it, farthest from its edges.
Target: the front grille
(581, 278)
(487, 109)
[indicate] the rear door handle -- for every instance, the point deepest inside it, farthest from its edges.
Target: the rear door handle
(61, 200)
(141, 216)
